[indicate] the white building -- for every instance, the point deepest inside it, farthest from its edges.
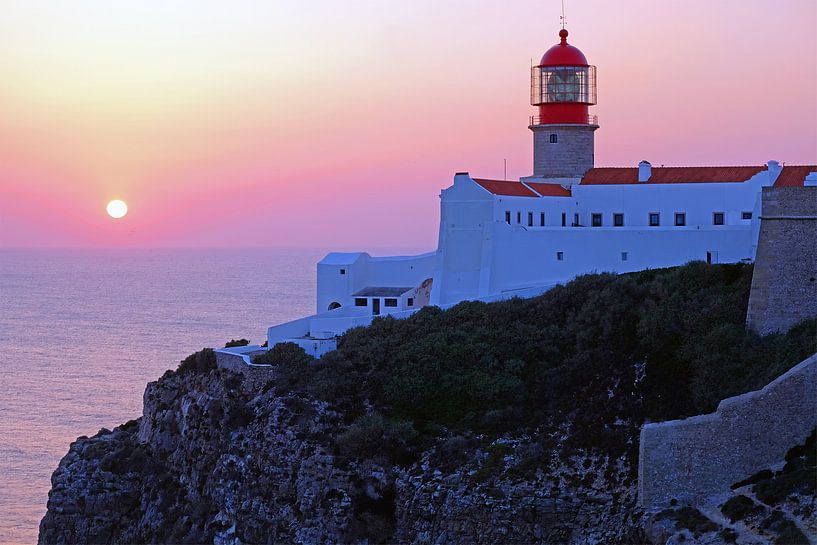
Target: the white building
(501, 238)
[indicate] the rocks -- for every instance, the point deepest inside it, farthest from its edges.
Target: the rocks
(201, 465)
(215, 459)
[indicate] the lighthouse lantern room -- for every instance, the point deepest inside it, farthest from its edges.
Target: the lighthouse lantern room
(563, 87)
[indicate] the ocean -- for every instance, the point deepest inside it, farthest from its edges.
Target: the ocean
(83, 331)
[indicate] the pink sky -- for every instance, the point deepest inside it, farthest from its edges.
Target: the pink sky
(269, 124)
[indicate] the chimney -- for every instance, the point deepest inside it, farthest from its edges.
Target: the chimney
(461, 177)
(644, 171)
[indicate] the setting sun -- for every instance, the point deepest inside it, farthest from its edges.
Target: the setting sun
(117, 209)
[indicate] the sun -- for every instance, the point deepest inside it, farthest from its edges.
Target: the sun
(117, 209)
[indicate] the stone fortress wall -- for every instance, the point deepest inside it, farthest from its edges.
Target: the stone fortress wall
(704, 455)
(784, 284)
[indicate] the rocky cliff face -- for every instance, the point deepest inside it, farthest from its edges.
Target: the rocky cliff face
(210, 461)
(511, 422)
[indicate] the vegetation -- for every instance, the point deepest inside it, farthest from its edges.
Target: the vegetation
(233, 343)
(287, 355)
(740, 508)
(689, 518)
(606, 352)
(785, 531)
(202, 361)
(798, 476)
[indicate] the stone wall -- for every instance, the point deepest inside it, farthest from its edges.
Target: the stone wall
(704, 455)
(784, 285)
(570, 157)
(255, 376)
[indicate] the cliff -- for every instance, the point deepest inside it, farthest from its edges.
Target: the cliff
(513, 422)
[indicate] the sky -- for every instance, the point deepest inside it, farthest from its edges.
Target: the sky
(329, 124)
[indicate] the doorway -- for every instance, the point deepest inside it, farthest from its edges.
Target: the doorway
(376, 306)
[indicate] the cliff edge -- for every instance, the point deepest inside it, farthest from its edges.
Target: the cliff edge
(512, 422)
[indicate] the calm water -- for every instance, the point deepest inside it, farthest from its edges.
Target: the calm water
(81, 332)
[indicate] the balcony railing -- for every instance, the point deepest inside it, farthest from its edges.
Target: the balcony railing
(537, 120)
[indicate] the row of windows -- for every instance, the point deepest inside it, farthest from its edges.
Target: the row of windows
(387, 302)
(596, 219)
(560, 256)
(711, 257)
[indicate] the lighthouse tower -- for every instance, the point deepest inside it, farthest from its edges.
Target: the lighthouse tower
(563, 87)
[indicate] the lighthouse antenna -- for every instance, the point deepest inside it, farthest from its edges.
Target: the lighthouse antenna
(562, 18)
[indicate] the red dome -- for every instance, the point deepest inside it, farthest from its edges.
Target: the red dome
(563, 54)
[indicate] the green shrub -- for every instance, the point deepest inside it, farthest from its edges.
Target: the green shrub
(233, 343)
(372, 436)
(202, 361)
(288, 355)
(689, 518)
(799, 475)
(607, 352)
(785, 532)
(740, 507)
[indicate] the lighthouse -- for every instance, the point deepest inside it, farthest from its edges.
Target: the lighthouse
(563, 87)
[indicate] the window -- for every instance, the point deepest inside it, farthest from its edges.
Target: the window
(596, 220)
(530, 219)
(410, 301)
(655, 219)
(680, 219)
(390, 302)
(343, 271)
(717, 218)
(624, 256)
(564, 219)
(560, 256)
(618, 220)
(576, 220)
(542, 219)
(361, 302)
(746, 216)
(519, 217)
(508, 217)
(554, 139)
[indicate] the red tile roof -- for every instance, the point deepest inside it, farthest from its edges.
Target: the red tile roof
(792, 176)
(670, 175)
(549, 190)
(505, 187)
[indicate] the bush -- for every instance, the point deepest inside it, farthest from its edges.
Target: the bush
(288, 355)
(372, 436)
(606, 352)
(202, 361)
(740, 507)
(689, 518)
(233, 343)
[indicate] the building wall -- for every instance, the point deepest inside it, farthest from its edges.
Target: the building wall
(553, 208)
(704, 455)
(464, 249)
(481, 254)
(697, 200)
(571, 157)
(784, 282)
(523, 257)
(361, 270)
